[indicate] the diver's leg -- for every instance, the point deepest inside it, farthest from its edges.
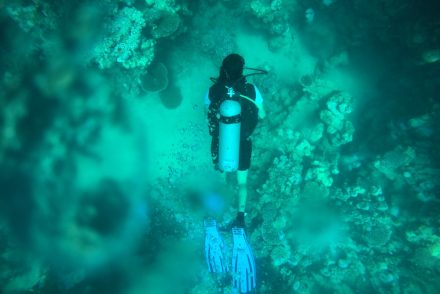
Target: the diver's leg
(242, 173)
(242, 192)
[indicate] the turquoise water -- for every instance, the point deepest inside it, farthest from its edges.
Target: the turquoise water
(105, 168)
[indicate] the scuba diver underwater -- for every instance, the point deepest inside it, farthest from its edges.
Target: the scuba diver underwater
(233, 107)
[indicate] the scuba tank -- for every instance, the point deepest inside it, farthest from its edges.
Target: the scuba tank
(229, 125)
(229, 135)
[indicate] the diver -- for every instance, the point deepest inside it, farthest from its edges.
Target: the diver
(232, 86)
(233, 107)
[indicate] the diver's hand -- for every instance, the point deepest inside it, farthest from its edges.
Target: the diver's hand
(261, 113)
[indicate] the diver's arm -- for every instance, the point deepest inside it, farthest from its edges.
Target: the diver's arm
(206, 102)
(259, 103)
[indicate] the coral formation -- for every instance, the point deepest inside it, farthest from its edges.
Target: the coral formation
(124, 43)
(339, 129)
(378, 235)
(155, 79)
(166, 25)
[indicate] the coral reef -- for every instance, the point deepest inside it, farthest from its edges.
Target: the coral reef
(124, 43)
(270, 15)
(339, 130)
(345, 176)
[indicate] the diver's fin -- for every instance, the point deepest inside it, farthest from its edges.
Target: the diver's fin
(243, 263)
(214, 246)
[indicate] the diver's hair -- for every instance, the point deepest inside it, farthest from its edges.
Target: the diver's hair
(231, 71)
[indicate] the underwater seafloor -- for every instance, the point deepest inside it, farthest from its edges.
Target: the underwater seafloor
(104, 143)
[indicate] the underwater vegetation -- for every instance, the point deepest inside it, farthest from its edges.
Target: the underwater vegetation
(104, 145)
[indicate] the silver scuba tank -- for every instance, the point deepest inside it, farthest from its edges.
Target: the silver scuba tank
(229, 135)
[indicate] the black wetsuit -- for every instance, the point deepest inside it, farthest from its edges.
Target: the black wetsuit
(249, 119)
